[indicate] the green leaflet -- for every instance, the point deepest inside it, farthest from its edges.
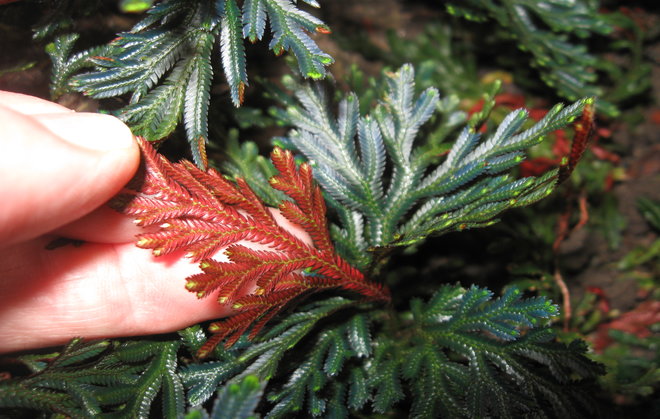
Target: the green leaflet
(233, 53)
(164, 62)
(288, 24)
(239, 399)
(157, 364)
(260, 358)
(88, 379)
(385, 185)
(66, 65)
(66, 382)
(243, 160)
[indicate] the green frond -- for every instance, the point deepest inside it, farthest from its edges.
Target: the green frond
(65, 65)
(78, 351)
(165, 62)
(159, 376)
(197, 98)
(15, 395)
(262, 357)
(254, 19)
(288, 25)
(233, 52)
(243, 160)
(461, 355)
(336, 407)
(87, 379)
(387, 382)
(238, 399)
(546, 30)
(323, 369)
(202, 380)
(135, 351)
(487, 334)
(359, 337)
(358, 393)
(387, 187)
(325, 361)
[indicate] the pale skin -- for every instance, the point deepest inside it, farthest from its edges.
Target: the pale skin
(58, 169)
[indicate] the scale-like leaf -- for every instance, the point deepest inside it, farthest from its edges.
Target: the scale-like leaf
(164, 62)
(380, 208)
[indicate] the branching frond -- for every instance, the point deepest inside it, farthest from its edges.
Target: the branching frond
(90, 379)
(387, 193)
(262, 357)
(462, 354)
(462, 339)
(65, 65)
(164, 62)
(203, 213)
(544, 30)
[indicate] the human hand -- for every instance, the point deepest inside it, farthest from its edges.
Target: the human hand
(57, 169)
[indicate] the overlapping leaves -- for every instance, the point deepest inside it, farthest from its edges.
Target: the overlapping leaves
(165, 61)
(547, 30)
(386, 188)
(87, 380)
(461, 354)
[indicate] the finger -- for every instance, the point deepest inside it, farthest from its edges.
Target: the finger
(103, 225)
(29, 105)
(58, 167)
(94, 291)
(100, 291)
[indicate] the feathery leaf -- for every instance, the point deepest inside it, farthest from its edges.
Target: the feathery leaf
(202, 212)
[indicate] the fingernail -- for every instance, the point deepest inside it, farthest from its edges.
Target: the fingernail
(93, 131)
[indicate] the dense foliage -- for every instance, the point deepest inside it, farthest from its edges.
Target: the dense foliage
(332, 328)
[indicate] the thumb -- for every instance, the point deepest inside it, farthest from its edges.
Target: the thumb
(55, 168)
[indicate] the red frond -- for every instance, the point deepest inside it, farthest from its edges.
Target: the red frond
(308, 209)
(202, 284)
(295, 183)
(253, 205)
(201, 212)
(208, 346)
(226, 191)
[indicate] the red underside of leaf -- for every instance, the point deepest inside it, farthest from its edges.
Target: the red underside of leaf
(203, 213)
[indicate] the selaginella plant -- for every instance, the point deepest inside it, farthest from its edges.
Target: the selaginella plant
(176, 42)
(317, 328)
